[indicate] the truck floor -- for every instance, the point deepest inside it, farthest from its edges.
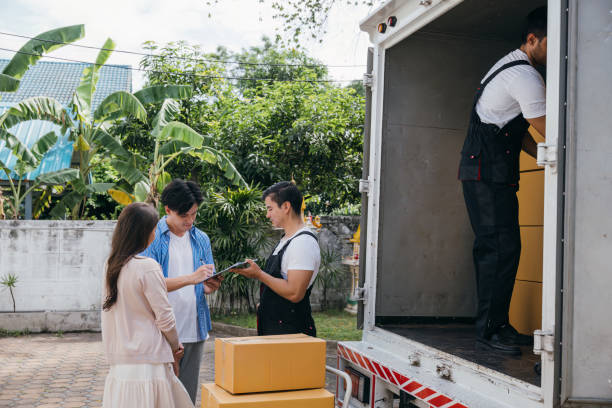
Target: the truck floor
(459, 340)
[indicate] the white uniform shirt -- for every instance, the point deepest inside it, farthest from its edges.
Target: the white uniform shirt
(183, 300)
(515, 90)
(303, 254)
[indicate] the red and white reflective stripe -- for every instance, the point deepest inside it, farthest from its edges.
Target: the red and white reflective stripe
(418, 390)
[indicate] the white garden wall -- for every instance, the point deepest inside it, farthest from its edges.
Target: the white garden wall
(59, 265)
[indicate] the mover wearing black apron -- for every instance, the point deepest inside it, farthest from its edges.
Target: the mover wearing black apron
(277, 315)
(489, 171)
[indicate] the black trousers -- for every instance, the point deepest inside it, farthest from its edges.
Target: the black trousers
(493, 212)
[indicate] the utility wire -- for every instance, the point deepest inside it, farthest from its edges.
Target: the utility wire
(186, 74)
(185, 58)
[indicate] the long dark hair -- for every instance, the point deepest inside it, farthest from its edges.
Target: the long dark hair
(131, 237)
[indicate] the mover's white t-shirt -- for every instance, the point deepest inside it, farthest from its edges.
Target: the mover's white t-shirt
(183, 300)
(514, 90)
(302, 254)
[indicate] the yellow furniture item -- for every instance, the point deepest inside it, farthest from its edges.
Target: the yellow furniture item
(214, 396)
(269, 363)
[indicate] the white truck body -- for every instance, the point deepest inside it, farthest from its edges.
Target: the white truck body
(424, 72)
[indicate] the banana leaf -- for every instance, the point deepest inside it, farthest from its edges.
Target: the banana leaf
(109, 143)
(181, 132)
(58, 177)
(19, 149)
(36, 108)
(167, 113)
(89, 79)
(158, 93)
(44, 144)
(120, 102)
(8, 83)
(121, 196)
(44, 43)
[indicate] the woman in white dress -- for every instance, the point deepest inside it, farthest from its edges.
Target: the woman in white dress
(138, 327)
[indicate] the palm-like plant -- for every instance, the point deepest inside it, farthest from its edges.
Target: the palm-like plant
(236, 224)
(330, 275)
(10, 282)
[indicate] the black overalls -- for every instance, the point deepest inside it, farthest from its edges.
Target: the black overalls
(277, 315)
(489, 171)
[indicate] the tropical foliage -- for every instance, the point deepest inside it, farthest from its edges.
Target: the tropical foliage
(89, 132)
(330, 276)
(27, 158)
(235, 222)
(280, 120)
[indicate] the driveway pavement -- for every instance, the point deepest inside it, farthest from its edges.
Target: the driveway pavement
(46, 370)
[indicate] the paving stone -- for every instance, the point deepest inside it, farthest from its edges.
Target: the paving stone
(43, 370)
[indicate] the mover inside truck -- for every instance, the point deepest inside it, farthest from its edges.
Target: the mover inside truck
(426, 288)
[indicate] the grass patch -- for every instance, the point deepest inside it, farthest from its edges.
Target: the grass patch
(14, 333)
(331, 324)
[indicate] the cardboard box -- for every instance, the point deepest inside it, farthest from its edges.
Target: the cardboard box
(527, 162)
(530, 265)
(214, 396)
(531, 198)
(269, 363)
(526, 307)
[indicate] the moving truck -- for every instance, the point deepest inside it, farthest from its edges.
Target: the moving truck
(417, 295)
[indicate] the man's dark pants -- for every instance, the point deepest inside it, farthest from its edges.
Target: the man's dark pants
(493, 212)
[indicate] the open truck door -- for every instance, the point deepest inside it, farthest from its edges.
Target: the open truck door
(586, 338)
(427, 62)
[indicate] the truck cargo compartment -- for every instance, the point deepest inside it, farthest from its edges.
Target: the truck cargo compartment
(425, 271)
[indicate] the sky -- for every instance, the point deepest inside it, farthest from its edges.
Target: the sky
(235, 24)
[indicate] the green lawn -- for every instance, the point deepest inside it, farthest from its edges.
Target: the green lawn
(331, 324)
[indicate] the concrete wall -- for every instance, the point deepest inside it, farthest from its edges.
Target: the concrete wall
(59, 266)
(334, 235)
(60, 269)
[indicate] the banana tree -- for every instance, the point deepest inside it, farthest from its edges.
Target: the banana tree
(28, 160)
(88, 130)
(33, 50)
(172, 140)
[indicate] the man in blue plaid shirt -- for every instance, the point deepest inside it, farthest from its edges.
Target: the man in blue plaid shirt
(185, 255)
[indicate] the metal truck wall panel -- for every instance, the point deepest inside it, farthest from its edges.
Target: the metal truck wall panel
(587, 331)
(425, 265)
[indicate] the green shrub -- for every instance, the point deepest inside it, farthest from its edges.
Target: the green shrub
(236, 223)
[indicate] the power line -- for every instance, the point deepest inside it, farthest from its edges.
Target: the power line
(184, 58)
(191, 75)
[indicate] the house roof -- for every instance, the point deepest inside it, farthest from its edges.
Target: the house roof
(58, 80)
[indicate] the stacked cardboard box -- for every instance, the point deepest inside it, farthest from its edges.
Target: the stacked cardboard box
(268, 371)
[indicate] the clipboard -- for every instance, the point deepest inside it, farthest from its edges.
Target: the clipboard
(237, 265)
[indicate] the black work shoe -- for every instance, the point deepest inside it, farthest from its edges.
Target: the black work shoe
(511, 336)
(497, 343)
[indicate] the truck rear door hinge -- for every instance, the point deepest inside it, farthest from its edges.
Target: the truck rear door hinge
(368, 80)
(359, 295)
(547, 154)
(364, 186)
(543, 342)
